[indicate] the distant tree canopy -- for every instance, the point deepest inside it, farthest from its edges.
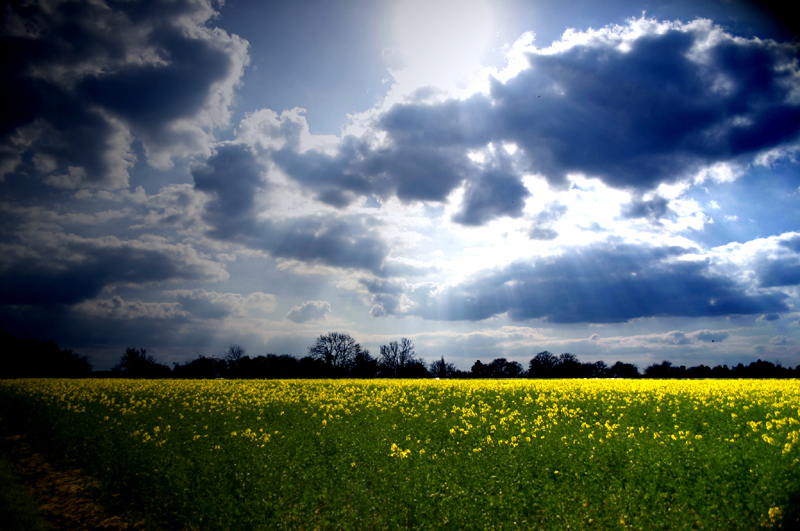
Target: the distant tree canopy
(136, 363)
(338, 351)
(442, 369)
(32, 358)
(338, 355)
(399, 360)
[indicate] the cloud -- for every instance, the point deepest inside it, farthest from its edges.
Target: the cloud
(309, 311)
(772, 262)
(498, 191)
(651, 209)
(87, 79)
(780, 272)
(637, 106)
(117, 308)
(212, 305)
(543, 221)
(716, 336)
(780, 340)
(56, 268)
(649, 102)
(233, 179)
(601, 283)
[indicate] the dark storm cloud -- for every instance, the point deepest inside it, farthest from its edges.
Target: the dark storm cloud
(466, 123)
(672, 101)
(81, 80)
(233, 178)
(650, 114)
(603, 283)
(61, 269)
(497, 192)
(780, 272)
(411, 172)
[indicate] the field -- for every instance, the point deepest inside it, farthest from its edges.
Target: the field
(386, 454)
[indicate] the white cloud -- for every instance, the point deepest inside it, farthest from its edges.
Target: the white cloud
(309, 311)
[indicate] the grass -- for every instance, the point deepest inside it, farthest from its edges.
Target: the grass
(381, 454)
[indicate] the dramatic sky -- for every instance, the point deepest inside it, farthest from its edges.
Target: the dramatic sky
(618, 179)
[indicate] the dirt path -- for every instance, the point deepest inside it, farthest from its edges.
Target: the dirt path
(66, 496)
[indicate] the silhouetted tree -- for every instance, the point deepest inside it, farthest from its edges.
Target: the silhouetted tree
(415, 369)
(235, 353)
(311, 367)
(502, 368)
(567, 366)
(237, 362)
(137, 363)
(32, 358)
(542, 365)
(275, 366)
(396, 357)
(478, 370)
(442, 369)
(199, 368)
(598, 369)
(721, 371)
(337, 351)
(364, 365)
(664, 369)
(623, 370)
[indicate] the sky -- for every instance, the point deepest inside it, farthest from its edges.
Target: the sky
(618, 180)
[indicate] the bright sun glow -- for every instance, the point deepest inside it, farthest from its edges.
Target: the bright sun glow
(442, 40)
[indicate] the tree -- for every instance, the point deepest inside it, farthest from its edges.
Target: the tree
(136, 363)
(568, 366)
(33, 358)
(235, 353)
(502, 368)
(598, 369)
(396, 358)
(364, 365)
(236, 361)
(478, 369)
(442, 369)
(662, 370)
(199, 368)
(623, 370)
(337, 351)
(542, 365)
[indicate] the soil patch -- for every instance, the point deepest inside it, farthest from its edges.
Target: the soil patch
(67, 497)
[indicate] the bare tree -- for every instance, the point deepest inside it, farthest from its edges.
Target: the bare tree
(337, 350)
(235, 353)
(396, 356)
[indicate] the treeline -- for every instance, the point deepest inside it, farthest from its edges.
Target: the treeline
(337, 355)
(32, 358)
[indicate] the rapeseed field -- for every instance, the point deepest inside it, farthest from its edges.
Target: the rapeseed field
(414, 454)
